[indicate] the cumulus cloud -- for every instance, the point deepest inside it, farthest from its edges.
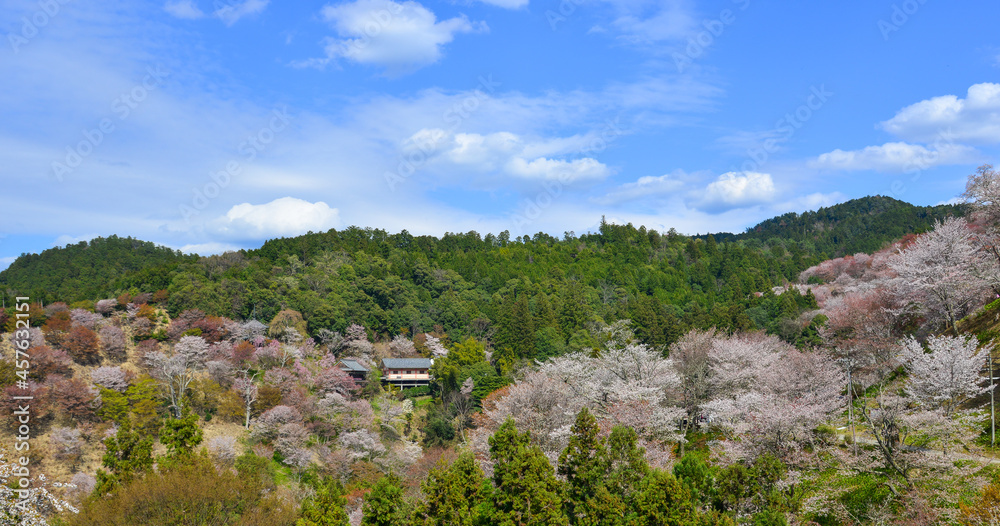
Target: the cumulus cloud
(737, 189)
(183, 9)
(506, 154)
(233, 12)
(976, 118)
(282, 217)
(896, 157)
(401, 37)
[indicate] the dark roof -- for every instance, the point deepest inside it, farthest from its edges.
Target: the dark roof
(353, 365)
(406, 363)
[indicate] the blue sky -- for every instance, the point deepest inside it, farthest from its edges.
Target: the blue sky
(207, 126)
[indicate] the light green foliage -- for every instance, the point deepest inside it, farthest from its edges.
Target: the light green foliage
(326, 506)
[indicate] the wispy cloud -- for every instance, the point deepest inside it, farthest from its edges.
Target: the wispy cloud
(184, 9)
(234, 11)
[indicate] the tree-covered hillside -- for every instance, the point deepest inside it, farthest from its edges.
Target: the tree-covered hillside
(534, 294)
(84, 270)
(858, 225)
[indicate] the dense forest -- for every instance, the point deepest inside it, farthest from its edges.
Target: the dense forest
(534, 294)
(623, 377)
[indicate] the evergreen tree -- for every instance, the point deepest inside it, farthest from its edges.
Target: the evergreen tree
(181, 435)
(453, 494)
(665, 502)
(585, 465)
(326, 507)
(526, 490)
(384, 506)
(129, 455)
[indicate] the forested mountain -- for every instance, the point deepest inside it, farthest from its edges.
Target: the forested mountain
(534, 294)
(86, 269)
(858, 225)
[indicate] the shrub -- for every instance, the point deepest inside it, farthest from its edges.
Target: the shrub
(191, 493)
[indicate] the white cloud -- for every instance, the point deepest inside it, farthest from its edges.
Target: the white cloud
(208, 249)
(401, 37)
(650, 22)
(232, 13)
(565, 172)
(737, 189)
(183, 9)
(645, 188)
(813, 201)
(5, 262)
(975, 118)
(895, 157)
(506, 154)
(952, 201)
(282, 217)
(66, 239)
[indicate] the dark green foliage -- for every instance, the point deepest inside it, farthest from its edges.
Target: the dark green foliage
(665, 502)
(585, 465)
(526, 490)
(439, 429)
(697, 476)
(83, 271)
(752, 488)
(384, 506)
(181, 435)
(859, 225)
(454, 494)
(128, 455)
(770, 518)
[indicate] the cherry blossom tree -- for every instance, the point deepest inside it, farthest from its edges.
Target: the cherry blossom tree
(982, 192)
(223, 450)
(948, 375)
(176, 372)
(113, 342)
(770, 394)
(945, 272)
(245, 386)
(113, 378)
(106, 307)
(691, 362)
